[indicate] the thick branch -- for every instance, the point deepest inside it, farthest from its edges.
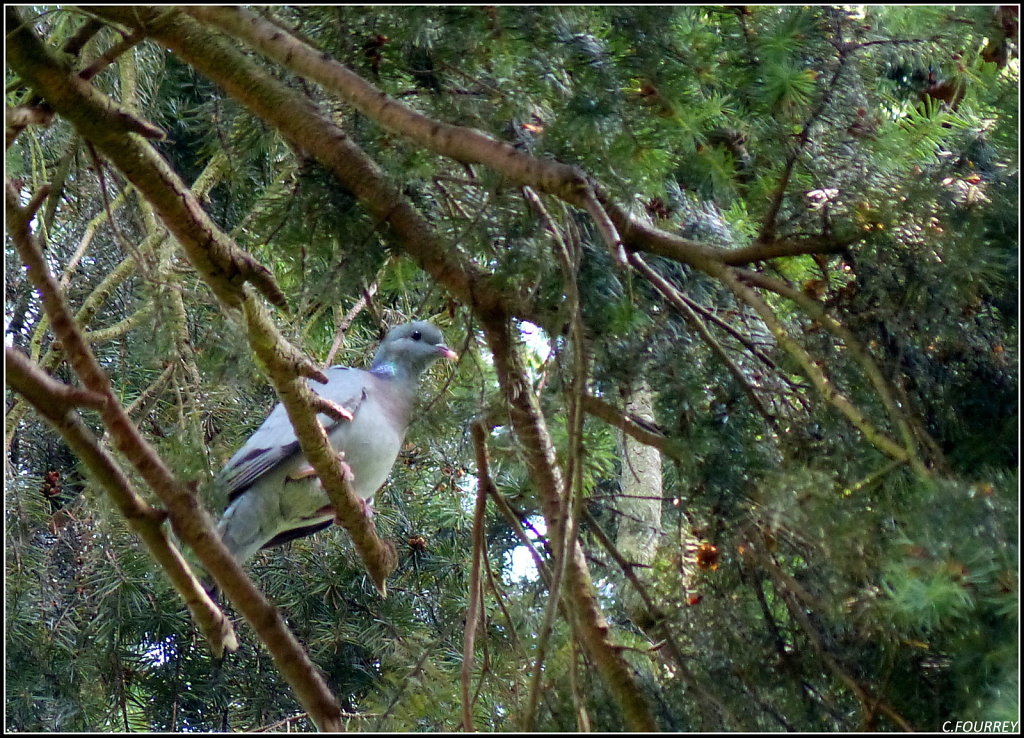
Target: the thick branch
(591, 626)
(466, 145)
(631, 426)
(470, 146)
(55, 401)
(763, 250)
(188, 519)
(19, 118)
(221, 263)
(299, 120)
(284, 364)
(224, 267)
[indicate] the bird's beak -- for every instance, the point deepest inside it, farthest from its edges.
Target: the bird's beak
(447, 353)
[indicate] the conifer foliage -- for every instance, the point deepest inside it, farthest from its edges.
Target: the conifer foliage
(774, 248)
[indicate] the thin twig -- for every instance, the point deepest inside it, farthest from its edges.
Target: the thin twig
(671, 294)
(659, 617)
(817, 311)
(350, 316)
(769, 225)
(485, 486)
(813, 369)
(573, 477)
(578, 701)
(110, 55)
(798, 610)
(746, 342)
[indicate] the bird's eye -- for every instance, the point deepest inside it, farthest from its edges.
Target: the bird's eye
(416, 335)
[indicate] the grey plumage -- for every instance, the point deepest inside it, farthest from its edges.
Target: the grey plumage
(273, 494)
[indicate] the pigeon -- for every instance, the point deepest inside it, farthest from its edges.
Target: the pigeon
(274, 496)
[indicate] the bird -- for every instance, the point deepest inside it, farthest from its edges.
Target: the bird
(274, 496)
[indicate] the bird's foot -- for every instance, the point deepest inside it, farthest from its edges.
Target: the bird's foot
(332, 409)
(365, 506)
(304, 472)
(307, 471)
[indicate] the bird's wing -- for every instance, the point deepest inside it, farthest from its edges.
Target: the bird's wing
(274, 442)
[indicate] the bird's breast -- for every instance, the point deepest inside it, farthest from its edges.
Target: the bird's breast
(370, 446)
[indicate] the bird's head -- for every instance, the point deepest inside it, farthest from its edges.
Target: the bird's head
(407, 350)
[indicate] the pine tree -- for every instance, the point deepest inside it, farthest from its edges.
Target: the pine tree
(769, 254)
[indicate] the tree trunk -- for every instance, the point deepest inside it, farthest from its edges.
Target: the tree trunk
(639, 505)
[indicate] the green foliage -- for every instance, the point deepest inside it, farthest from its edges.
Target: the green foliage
(832, 567)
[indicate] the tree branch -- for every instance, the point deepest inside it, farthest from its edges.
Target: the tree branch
(466, 145)
(221, 263)
(283, 364)
(118, 329)
(485, 487)
(799, 611)
(109, 56)
(660, 619)
(529, 425)
(768, 227)
(816, 310)
(19, 118)
(671, 294)
(631, 426)
(54, 401)
(813, 369)
(777, 248)
(300, 121)
(188, 519)
(346, 320)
